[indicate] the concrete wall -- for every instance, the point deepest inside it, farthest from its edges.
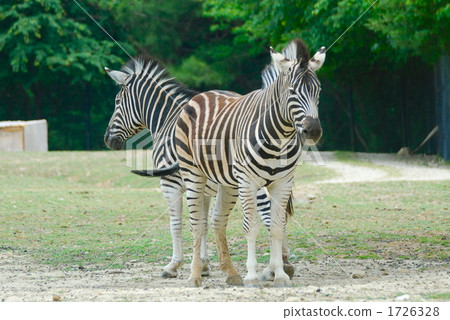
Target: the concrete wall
(24, 135)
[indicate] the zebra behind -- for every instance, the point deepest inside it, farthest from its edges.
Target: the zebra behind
(150, 99)
(244, 143)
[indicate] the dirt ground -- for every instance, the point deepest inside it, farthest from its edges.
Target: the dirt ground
(23, 279)
(363, 280)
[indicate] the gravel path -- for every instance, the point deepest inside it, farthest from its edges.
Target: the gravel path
(385, 167)
(380, 280)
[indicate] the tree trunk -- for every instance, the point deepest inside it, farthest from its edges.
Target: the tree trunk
(441, 76)
(87, 110)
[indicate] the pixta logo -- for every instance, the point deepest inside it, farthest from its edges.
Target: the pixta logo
(139, 152)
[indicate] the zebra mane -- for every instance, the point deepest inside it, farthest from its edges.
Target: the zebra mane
(150, 67)
(296, 49)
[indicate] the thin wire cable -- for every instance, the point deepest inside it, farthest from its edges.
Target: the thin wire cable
(325, 251)
(350, 26)
(136, 240)
(98, 24)
(123, 49)
(260, 116)
(310, 236)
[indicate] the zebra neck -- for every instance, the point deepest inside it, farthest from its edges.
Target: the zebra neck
(275, 120)
(161, 111)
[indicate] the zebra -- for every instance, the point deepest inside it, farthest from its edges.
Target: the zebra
(243, 143)
(149, 98)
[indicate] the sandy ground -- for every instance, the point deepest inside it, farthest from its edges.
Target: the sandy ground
(23, 279)
(363, 280)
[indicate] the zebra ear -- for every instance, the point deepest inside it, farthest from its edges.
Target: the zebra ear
(280, 61)
(317, 61)
(118, 76)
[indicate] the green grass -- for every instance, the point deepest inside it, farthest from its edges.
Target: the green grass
(86, 208)
(438, 296)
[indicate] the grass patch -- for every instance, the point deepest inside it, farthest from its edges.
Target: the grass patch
(85, 209)
(445, 296)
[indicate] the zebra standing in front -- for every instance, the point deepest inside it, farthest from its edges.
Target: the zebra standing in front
(150, 98)
(244, 143)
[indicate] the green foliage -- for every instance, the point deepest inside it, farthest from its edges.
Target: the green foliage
(386, 55)
(198, 74)
(52, 57)
(44, 36)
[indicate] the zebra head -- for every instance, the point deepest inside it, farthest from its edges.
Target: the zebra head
(303, 88)
(126, 119)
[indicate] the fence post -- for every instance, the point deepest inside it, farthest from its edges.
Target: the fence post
(441, 76)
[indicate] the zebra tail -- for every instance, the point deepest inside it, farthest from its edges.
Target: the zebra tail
(290, 206)
(158, 172)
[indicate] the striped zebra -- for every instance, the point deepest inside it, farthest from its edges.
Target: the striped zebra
(150, 99)
(244, 143)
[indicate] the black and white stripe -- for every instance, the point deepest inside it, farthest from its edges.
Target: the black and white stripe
(149, 98)
(243, 143)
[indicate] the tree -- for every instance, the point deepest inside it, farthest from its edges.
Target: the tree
(45, 46)
(380, 58)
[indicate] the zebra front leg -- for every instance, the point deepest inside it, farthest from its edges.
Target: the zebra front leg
(172, 189)
(269, 274)
(263, 205)
(247, 194)
(279, 193)
(198, 222)
(225, 201)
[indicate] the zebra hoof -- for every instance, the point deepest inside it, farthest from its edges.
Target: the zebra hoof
(235, 280)
(206, 270)
(252, 283)
(289, 269)
(169, 275)
(282, 283)
(267, 275)
(194, 282)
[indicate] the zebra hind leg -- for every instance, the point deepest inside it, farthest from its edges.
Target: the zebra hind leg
(198, 222)
(225, 202)
(172, 189)
(204, 246)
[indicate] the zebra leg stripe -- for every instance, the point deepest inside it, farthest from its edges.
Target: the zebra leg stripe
(247, 194)
(198, 222)
(280, 192)
(204, 246)
(172, 192)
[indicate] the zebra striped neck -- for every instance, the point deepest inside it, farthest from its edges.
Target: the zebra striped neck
(159, 96)
(276, 116)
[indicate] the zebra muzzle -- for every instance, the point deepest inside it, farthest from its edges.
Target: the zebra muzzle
(112, 142)
(311, 131)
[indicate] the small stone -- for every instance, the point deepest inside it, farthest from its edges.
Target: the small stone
(358, 275)
(318, 290)
(56, 298)
(292, 299)
(403, 297)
